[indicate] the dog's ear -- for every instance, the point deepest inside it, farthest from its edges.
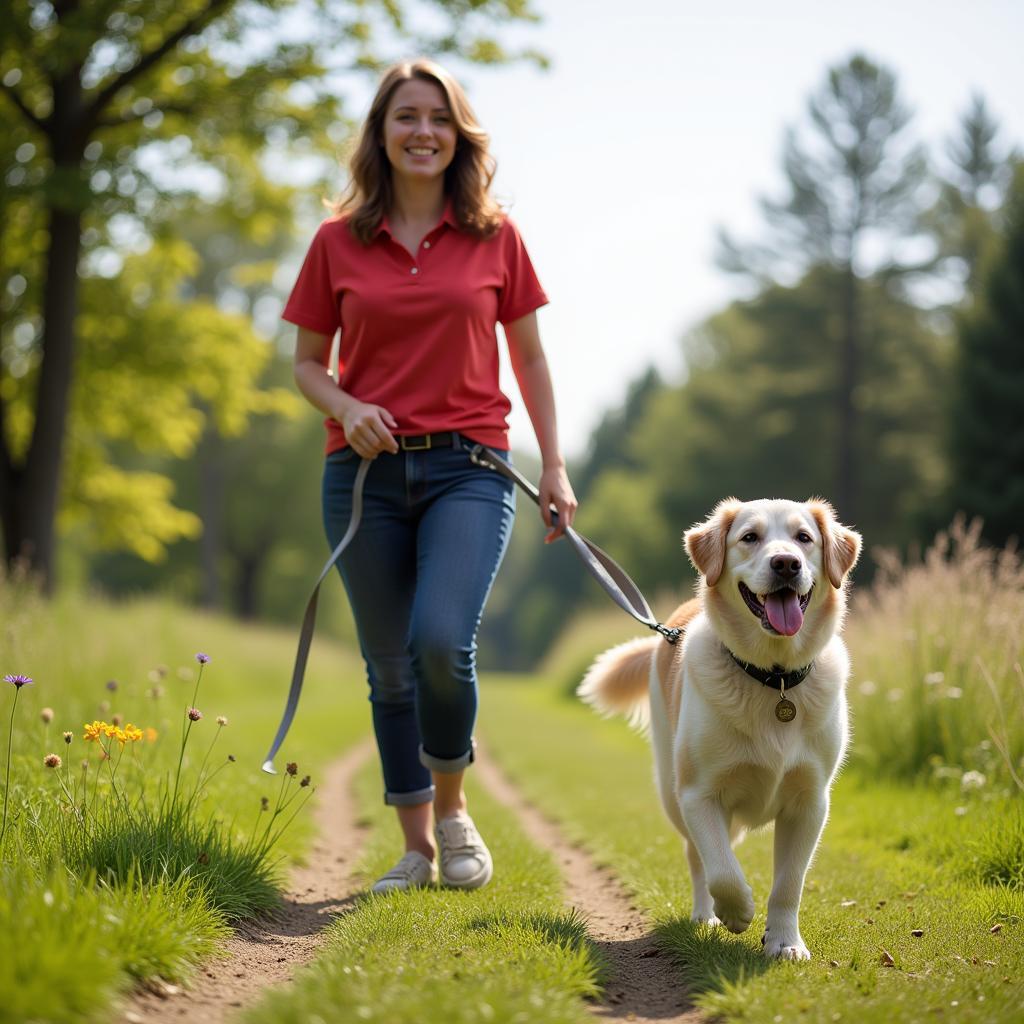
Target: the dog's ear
(705, 542)
(840, 547)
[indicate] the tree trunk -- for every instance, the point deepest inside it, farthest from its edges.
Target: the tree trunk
(849, 372)
(37, 484)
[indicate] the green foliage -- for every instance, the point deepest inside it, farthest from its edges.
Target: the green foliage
(988, 430)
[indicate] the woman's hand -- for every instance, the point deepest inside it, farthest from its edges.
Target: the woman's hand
(368, 428)
(556, 490)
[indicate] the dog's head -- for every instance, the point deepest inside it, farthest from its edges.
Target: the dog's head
(774, 574)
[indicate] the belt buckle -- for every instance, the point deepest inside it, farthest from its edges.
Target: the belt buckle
(417, 447)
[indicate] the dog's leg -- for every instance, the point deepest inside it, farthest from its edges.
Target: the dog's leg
(796, 836)
(703, 905)
(707, 826)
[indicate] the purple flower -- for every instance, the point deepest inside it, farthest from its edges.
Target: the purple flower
(195, 714)
(18, 680)
(202, 658)
(111, 685)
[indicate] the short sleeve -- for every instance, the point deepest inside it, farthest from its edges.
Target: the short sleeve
(313, 303)
(521, 292)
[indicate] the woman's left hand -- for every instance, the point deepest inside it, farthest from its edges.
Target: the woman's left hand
(556, 490)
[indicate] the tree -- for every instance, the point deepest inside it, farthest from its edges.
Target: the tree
(974, 187)
(853, 192)
(988, 429)
(115, 113)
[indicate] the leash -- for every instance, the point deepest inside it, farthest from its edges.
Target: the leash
(612, 577)
(309, 619)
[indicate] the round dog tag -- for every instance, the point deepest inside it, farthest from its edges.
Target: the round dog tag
(785, 710)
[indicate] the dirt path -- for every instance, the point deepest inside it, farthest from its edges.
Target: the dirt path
(266, 953)
(644, 986)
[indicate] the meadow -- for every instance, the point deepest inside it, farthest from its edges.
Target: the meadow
(132, 859)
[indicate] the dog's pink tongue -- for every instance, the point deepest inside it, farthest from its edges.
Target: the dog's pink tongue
(783, 611)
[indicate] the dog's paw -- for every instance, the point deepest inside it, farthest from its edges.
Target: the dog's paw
(734, 903)
(709, 919)
(784, 946)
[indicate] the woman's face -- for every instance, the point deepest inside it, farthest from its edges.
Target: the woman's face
(419, 132)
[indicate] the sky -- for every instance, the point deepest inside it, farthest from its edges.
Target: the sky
(659, 122)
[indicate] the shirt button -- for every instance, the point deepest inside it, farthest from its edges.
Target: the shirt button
(414, 270)
(426, 245)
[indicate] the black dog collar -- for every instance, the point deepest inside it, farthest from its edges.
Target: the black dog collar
(774, 677)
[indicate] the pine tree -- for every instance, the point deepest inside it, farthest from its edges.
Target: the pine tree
(988, 426)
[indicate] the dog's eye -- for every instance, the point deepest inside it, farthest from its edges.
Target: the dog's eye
(804, 537)
(749, 538)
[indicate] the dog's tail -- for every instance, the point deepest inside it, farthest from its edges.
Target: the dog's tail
(617, 682)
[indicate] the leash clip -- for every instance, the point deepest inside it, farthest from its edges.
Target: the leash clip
(671, 635)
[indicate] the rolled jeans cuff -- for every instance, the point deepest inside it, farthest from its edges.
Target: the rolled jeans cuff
(416, 797)
(447, 765)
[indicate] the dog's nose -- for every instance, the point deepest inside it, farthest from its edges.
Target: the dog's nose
(786, 566)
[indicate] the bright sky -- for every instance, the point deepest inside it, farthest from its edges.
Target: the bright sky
(663, 119)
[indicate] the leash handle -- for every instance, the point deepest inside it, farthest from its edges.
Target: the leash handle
(309, 620)
(612, 577)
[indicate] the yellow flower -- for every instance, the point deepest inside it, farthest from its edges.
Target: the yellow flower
(94, 730)
(132, 732)
(151, 735)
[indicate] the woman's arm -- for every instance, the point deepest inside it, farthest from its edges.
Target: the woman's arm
(531, 369)
(366, 426)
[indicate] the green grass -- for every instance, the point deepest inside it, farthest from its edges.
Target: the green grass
(893, 859)
(71, 945)
(171, 878)
(506, 954)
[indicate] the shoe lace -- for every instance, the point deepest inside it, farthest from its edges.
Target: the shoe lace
(405, 868)
(459, 835)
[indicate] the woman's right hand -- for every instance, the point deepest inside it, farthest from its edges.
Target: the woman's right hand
(368, 429)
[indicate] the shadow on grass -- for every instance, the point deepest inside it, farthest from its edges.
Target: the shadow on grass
(295, 919)
(709, 959)
(632, 977)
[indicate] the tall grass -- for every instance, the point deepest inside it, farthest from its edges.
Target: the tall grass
(937, 645)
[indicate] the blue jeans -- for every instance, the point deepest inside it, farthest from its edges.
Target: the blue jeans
(434, 530)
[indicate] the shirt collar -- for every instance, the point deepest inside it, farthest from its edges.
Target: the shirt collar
(447, 217)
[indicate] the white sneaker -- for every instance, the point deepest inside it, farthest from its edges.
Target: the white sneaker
(411, 871)
(465, 860)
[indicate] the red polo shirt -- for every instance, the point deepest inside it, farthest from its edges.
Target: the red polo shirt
(418, 330)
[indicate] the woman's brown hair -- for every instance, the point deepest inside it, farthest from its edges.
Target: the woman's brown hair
(467, 180)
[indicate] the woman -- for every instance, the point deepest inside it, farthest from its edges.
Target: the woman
(416, 269)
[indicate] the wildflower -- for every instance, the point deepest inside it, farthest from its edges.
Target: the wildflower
(46, 715)
(116, 719)
(132, 733)
(151, 735)
(111, 685)
(52, 761)
(292, 768)
(972, 780)
(156, 692)
(222, 720)
(68, 736)
(954, 693)
(85, 765)
(203, 659)
(934, 678)
(104, 706)
(94, 730)
(232, 758)
(264, 803)
(304, 781)
(868, 687)
(195, 714)
(18, 680)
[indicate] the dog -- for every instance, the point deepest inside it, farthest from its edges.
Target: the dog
(747, 712)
